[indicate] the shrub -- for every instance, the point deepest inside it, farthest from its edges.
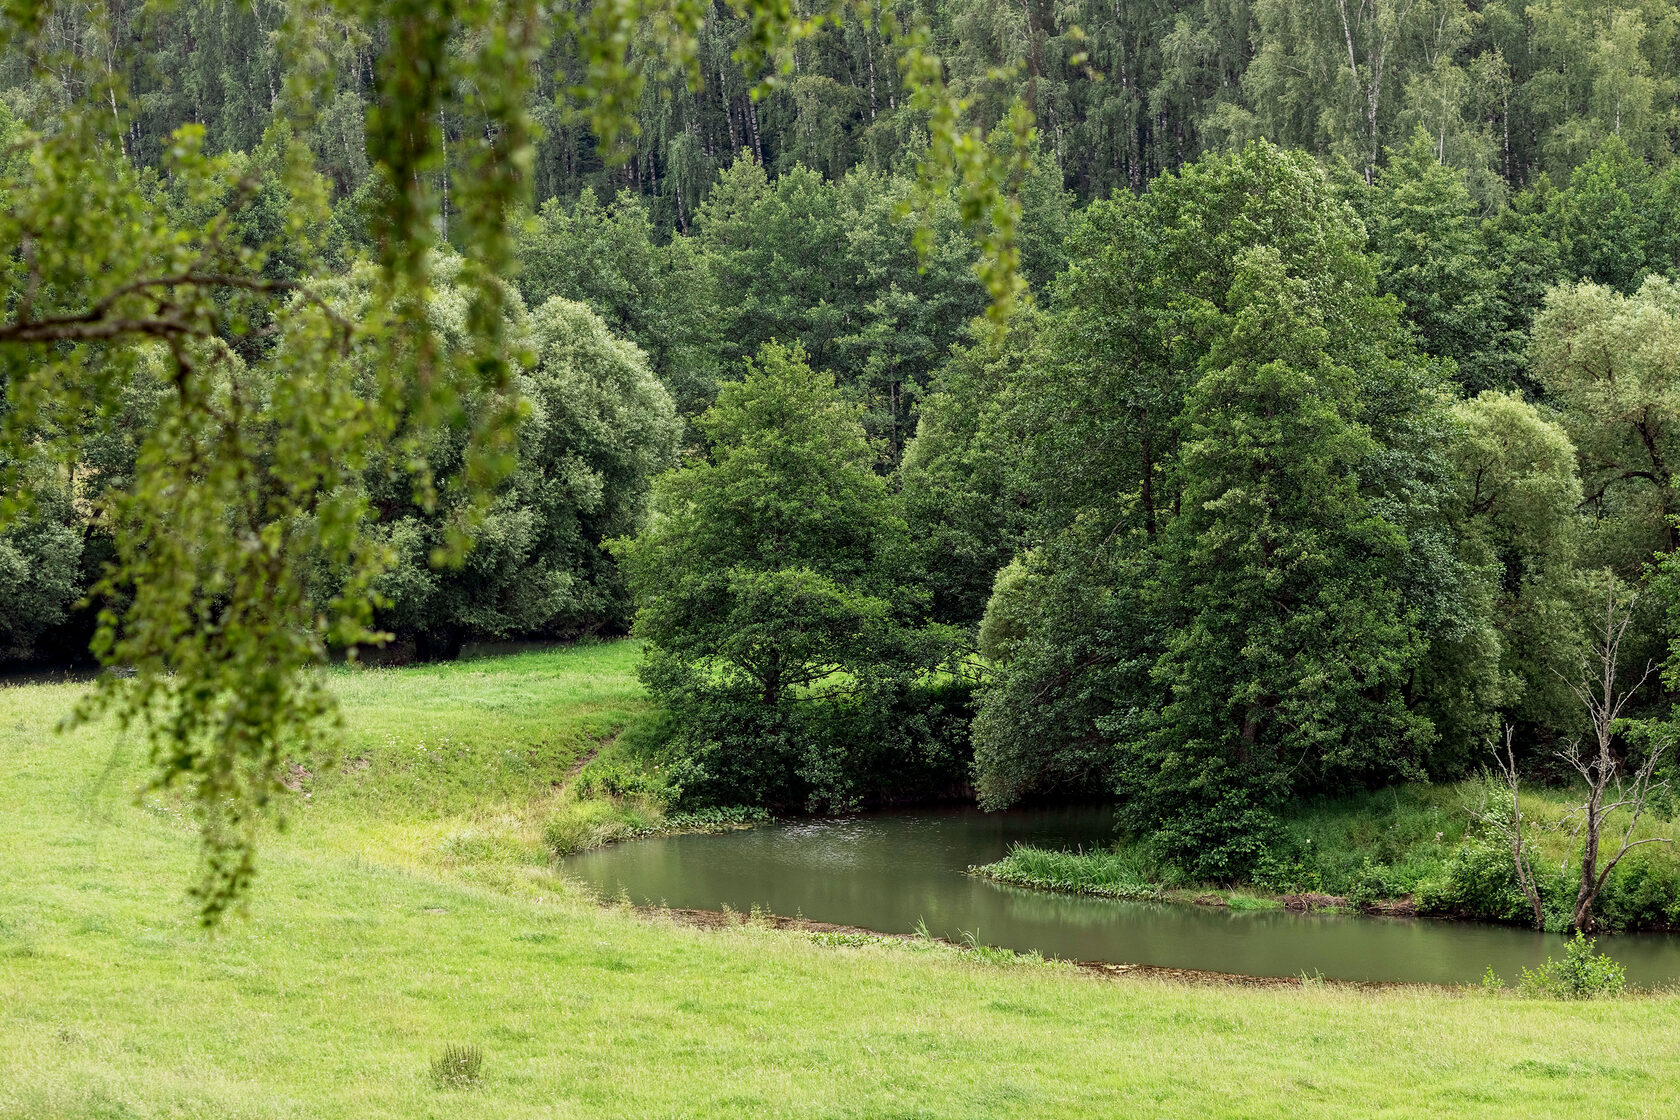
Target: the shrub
(1283, 867)
(717, 818)
(1479, 881)
(620, 777)
(458, 1067)
(1582, 974)
(1643, 893)
(830, 753)
(1369, 886)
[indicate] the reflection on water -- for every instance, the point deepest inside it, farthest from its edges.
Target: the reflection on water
(890, 871)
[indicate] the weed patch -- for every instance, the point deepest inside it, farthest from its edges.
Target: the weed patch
(458, 1067)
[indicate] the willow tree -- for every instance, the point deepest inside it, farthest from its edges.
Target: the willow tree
(1608, 364)
(113, 275)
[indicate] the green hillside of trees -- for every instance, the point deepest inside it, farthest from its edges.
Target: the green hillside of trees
(1316, 384)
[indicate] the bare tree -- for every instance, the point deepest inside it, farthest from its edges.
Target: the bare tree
(1609, 786)
(1511, 827)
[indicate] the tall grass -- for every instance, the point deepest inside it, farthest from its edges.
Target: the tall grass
(1109, 873)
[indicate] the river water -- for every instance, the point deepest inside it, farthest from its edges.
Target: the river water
(889, 871)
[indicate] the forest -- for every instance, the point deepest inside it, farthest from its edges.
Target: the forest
(1307, 408)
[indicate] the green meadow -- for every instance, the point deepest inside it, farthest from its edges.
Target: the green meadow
(411, 903)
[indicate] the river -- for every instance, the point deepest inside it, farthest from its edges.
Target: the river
(891, 871)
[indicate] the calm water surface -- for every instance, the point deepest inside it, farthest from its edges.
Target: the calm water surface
(888, 871)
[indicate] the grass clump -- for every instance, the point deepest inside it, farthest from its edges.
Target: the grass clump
(1108, 873)
(582, 825)
(479, 844)
(458, 1067)
(970, 948)
(1237, 900)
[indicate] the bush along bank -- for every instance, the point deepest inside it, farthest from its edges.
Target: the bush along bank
(1407, 849)
(714, 767)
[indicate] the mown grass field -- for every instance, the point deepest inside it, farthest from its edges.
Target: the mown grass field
(405, 908)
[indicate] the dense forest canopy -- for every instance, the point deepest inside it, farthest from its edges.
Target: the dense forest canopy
(1203, 405)
(1506, 91)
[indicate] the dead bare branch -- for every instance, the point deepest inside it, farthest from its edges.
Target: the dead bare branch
(1512, 828)
(1599, 766)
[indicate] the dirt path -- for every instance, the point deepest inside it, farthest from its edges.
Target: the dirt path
(577, 767)
(581, 761)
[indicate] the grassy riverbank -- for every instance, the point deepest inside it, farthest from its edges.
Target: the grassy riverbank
(411, 904)
(1411, 849)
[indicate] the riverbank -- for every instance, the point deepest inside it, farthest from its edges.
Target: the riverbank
(1403, 850)
(833, 935)
(410, 905)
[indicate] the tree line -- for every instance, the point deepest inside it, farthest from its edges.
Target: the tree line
(1235, 514)
(265, 332)
(1506, 90)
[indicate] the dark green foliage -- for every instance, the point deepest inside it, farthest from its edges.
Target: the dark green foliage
(962, 496)
(1047, 721)
(1425, 241)
(776, 562)
(1242, 572)
(904, 742)
(771, 585)
(40, 563)
(658, 296)
(599, 429)
(1289, 643)
(834, 267)
(1607, 224)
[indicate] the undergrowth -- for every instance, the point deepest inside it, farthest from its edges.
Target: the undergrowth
(1413, 847)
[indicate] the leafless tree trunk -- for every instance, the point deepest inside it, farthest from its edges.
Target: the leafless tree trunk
(1608, 787)
(1512, 828)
